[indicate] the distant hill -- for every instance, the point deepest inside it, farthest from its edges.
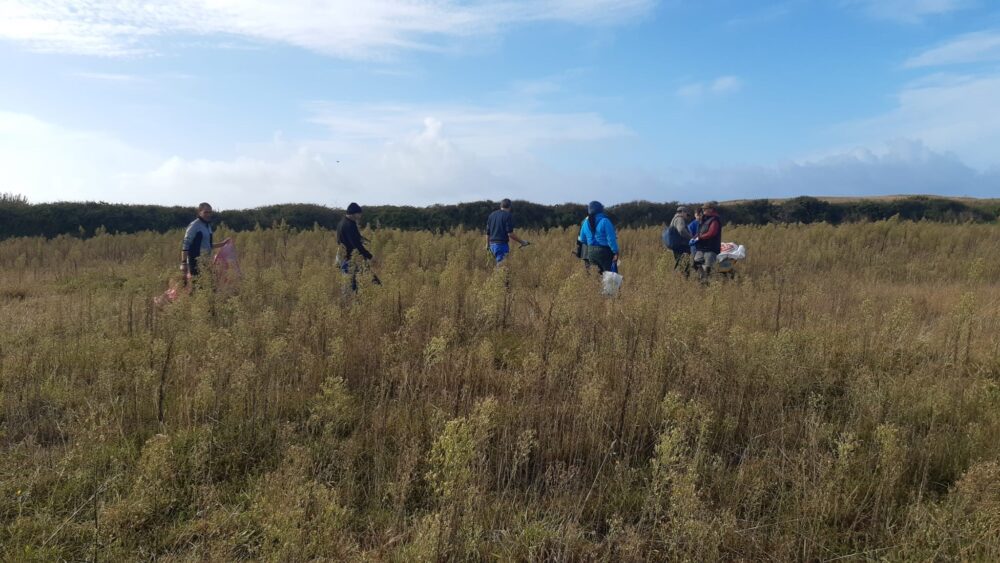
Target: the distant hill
(973, 201)
(18, 217)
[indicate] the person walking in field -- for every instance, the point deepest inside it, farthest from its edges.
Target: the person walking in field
(500, 231)
(198, 241)
(708, 241)
(598, 234)
(349, 236)
(677, 238)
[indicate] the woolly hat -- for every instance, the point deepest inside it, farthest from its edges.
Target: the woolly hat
(353, 208)
(594, 207)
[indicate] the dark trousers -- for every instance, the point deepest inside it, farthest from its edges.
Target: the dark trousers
(353, 269)
(600, 256)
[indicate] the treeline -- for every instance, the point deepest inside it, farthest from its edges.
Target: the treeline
(18, 217)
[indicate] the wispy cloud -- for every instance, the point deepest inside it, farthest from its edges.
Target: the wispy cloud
(908, 11)
(761, 16)
(695, 91)
(980, 46)
(110, 77)
(342, 28)
(482, 131)
(726, 84)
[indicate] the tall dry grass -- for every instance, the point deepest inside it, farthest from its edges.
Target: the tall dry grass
(840, 399)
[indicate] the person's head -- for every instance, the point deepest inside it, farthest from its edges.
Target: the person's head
(593, 209)
(683, 210)
(505, 204)
(710, 207)
(205, 212)
(354, 211)
(698, 213)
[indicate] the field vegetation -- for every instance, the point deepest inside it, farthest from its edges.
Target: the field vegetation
(839, 400)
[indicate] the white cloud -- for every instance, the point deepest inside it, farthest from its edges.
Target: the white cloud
(949, 113)
(47, 163)
(695, 91)
(909, 11)
(343, 28)
(969, 48)
(394, 154)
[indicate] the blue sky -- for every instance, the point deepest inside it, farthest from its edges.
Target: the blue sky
(252, 102)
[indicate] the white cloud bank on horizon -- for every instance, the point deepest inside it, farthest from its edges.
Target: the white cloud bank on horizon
(342, 28)
(898, 167)
(49, 163)
(388, 153)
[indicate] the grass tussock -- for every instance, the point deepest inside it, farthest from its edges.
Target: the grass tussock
(839, 399)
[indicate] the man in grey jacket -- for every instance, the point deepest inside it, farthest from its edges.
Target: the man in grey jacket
(677, 237)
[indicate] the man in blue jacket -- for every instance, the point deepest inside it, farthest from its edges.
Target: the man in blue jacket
(598, 234)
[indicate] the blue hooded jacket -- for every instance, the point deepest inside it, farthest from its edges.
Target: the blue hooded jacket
(605, 235)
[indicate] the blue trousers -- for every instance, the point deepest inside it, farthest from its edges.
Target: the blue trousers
(500, 250)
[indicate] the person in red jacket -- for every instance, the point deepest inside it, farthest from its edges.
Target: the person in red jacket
(708, 241)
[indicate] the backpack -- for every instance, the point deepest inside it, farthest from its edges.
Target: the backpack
(672, 239)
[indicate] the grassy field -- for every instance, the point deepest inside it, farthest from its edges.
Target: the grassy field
(838, 401)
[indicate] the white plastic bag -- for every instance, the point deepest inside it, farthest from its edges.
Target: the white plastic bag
(611, 282)
(732, 251)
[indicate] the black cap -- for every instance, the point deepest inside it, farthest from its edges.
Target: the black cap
(353, 208)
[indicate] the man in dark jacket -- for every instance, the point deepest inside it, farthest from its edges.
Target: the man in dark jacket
(349, 236)
(500, 231)
(708, 241)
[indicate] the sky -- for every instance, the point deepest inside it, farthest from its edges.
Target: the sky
(245, 103)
